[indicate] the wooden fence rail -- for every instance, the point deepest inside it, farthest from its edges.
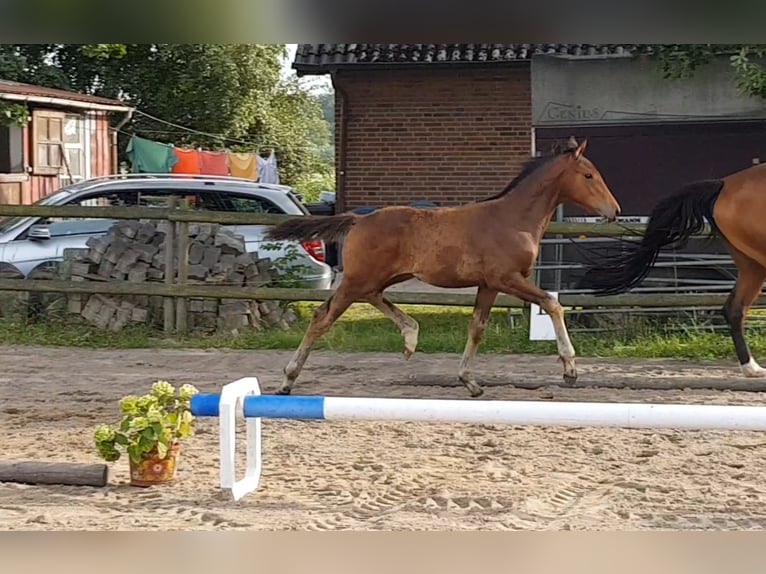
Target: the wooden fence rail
(239, 218)
(403, 297)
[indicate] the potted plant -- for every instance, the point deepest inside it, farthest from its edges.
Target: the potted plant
(149, 432)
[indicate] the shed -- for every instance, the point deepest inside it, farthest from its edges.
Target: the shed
(66, 138)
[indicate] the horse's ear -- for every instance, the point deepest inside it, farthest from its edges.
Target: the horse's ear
(572, 143)
(580, 149)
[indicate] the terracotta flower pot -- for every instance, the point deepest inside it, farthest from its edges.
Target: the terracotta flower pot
(153, 470)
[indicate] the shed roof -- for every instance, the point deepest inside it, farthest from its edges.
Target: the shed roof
(322, 58)
(16, 91)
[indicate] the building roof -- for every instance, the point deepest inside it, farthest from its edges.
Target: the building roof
(16, 91)
(322, 58)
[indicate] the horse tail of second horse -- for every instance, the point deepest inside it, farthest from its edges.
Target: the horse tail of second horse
(330, 228)
(673, 221)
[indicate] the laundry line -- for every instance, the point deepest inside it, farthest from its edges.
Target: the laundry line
(149, 156)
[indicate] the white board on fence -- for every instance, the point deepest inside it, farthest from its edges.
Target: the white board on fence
(540, 324)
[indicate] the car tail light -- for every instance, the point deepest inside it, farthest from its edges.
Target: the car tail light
(315, 249)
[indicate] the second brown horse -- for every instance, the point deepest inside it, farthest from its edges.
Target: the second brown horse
(491, 244)
(734, 208)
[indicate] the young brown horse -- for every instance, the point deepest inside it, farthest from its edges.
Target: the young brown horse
(491, 244)
(734, 207)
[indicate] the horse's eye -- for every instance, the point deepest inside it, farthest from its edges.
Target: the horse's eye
(588, 176)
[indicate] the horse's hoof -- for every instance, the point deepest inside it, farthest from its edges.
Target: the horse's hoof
(283, 391)
(753, 370)
(570, 379)
(477, 392)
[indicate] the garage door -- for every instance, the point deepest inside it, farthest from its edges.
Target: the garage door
(642, 163)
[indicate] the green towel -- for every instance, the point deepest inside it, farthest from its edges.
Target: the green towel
(148, 156)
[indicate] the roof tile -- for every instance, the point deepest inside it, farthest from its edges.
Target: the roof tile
(319, 58)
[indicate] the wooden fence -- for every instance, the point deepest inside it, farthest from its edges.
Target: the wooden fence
(176, 290)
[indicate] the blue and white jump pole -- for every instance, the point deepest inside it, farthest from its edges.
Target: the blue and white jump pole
(243, 397)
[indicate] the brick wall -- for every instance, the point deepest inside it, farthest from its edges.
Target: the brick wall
(450, 136)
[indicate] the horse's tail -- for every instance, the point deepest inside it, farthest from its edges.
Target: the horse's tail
(673, 221)
(327, 228)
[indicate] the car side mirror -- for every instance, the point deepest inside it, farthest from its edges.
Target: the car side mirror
(39, 232)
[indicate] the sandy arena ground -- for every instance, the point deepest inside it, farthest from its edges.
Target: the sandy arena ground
(343, 475)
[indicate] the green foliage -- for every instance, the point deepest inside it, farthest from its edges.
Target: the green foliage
(751, 76)
(13, 114)
(289, 273)
(150, 423)
(442, 330)
(233, 91)
(676, 61)
(310, 185)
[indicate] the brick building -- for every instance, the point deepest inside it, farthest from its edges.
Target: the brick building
(413, 127)
(452, 123)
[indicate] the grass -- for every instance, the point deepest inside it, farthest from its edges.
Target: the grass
(362, 328)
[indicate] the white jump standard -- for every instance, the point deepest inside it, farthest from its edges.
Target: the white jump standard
(243, 398)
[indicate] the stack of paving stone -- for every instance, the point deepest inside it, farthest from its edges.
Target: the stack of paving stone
(134, 251)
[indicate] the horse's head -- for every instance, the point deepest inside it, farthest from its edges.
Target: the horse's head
(582, 184)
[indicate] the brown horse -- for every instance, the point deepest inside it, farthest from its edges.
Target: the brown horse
(734, 207)
(491, 244)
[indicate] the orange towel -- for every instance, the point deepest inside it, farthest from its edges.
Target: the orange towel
(243, 165)
(188, 161)
(213, 163)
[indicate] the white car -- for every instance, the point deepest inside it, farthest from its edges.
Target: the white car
(31, 243)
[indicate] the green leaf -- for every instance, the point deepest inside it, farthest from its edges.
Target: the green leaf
(121, 439)
(145, 444)
(134, 452)
(162, 449)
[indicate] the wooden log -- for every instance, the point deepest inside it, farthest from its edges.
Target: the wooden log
(67, 473)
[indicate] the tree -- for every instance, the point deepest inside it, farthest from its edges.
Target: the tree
(231, 95)
(683, 60)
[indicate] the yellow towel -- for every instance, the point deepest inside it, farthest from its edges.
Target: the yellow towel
(243, 165)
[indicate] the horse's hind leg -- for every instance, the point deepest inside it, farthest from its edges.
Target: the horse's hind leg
(324, 317)
(749, 284)
(485, 298)
(407, 325)
(521, 287)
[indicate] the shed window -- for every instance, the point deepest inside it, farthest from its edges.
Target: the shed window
(47, 142)
(11, 150)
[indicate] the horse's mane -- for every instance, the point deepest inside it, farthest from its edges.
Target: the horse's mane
(529, 168)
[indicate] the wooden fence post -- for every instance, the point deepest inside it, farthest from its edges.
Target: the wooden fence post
(169, 322)
(182, 236)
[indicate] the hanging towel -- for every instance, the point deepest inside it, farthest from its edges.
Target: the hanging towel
(147, 156)
(268, 169)
(213, 163)
(188, 161)
(243, 165)
(262, 171)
